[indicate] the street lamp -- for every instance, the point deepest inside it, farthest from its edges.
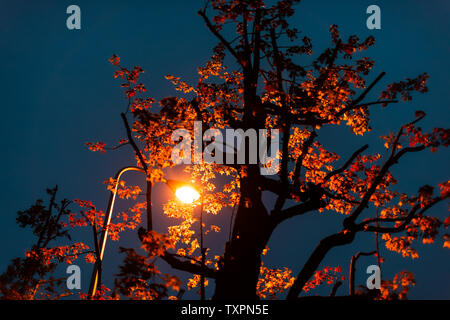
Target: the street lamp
(102, 245)
(187, 193)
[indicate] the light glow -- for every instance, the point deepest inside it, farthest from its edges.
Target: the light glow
(187, 194)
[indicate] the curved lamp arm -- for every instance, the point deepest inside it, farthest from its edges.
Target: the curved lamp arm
(112, 198)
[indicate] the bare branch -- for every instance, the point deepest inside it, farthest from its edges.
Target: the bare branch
(319, 253)
(335, 288)
(210, 26)
(144, 165)
(353, 269)
(347, 163)
(367, 90)
(116, 147)
(257, 43)
(296, 210)
(400, 132)
(375, 102)
(98, 259)
(285, 118)
(188, 266)
(133, 144)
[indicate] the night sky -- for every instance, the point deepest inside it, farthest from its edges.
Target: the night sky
(58, 92)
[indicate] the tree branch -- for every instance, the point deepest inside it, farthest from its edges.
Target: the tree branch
(256, 46)
(393, 159)
(188, 266)
(337, 239)
(366, 91)
(144, 165)
(339, 197)
(301, 157)
(210, 26)
(335, 288)
(296, 210)
(268, 184)
(285, 118)
(353, 269)
(133, 143)
(330, 63)
(98, 259)
(363, 226)
(354, 104)
(347, 163)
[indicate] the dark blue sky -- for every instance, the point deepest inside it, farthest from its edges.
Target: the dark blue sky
(58, 92)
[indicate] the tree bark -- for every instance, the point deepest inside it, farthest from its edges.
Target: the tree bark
(238, 274)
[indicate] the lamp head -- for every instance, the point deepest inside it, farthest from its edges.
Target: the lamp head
(185, 192)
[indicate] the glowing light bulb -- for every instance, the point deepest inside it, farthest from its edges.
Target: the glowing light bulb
(187, 194)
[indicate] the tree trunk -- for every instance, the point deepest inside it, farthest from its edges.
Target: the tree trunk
(239, 275)
(239, 271)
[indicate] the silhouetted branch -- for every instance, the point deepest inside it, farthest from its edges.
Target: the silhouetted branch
(117, 147)
(188, 266)
(98, 260)
(49, 215)
(133, 143)
(393, 159)
(335, 288)
(363, 226)
(296, 210)
(353, 105)
(145, 167)
(311, 265)
(330, 63)
(346, 164)
(361, 97)
(353, 269)
(339, 197)
(210, 26)
(341, 238)
(301, 157)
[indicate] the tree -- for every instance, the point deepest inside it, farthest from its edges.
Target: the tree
(267, 88)
(32, 277)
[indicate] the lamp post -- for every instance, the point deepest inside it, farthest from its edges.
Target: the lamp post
(102, 245)
(202, 250)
